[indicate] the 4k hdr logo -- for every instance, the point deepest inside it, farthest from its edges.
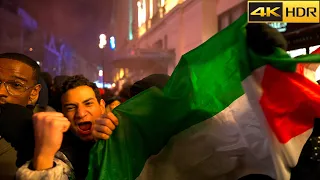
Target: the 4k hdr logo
(284, 11)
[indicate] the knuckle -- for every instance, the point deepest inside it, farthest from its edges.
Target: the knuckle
(105, 136)
(111, 125)
(108, 131)
(105, 129)
(51, 122)
(36, 116)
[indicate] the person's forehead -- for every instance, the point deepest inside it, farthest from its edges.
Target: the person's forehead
(78, 94)
(13, 68)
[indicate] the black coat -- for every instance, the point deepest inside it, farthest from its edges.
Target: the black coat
(308, 166)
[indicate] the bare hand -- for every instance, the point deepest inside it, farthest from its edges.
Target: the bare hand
(48, 130)
(104, 126)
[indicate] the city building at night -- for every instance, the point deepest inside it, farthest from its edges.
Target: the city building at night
(171, 27)
(178, 26)
(61, 59)
(19, 32)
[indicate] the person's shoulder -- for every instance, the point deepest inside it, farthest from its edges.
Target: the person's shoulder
(8, 156)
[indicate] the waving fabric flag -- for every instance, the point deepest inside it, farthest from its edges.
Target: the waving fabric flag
(305, 69)
(225, 113)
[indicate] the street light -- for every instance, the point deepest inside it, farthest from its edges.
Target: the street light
(100, 73)
(102, 44)
(103, 41)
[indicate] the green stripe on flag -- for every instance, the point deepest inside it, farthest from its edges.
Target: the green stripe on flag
(205, 82)
(148, 120)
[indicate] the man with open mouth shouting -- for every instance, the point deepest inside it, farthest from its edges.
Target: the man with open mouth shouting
(63, 140)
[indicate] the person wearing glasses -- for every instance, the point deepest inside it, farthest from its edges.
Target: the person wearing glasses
(18, 85)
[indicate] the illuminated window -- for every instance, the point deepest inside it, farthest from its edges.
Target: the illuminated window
(162, 3)
(121, 73)
(142, 12)
(151, 9)
(170, 4)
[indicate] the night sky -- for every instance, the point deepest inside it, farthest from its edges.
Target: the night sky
(79, 22)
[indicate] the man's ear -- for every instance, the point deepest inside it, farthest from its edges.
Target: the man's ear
(34, 95)
(102, 106)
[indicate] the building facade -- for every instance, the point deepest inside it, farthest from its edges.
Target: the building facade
(179, 26)
(61, 59)
(19, 32)
(170, 26)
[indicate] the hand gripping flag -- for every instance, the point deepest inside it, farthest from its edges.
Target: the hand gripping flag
(226, 112)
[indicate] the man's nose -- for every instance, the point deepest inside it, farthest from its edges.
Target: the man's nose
(81, 112)
(3, 90)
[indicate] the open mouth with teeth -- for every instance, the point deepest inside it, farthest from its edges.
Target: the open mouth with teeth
(85, 127)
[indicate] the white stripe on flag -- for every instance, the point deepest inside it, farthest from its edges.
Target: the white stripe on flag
(229, 145)
(285, 155)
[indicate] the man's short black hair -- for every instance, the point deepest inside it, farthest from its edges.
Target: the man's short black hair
(26, 60)
(79, 80)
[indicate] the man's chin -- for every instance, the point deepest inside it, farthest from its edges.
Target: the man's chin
(86, 138)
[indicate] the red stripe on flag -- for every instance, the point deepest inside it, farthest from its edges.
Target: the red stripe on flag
(317, 51)
(300, 69)
(290, 103)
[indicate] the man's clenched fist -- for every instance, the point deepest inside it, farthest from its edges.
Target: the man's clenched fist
(48, 130)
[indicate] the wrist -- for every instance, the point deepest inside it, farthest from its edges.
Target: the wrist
(43, 162)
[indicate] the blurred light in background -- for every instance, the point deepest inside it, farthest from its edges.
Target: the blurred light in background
(100, 73)
(121, 73)
(102, 36)
(113, 85)
(117, 76)
(142, 12)
(103, 41)
(108, 85)
(151, 9)
(30, 49)
(100, 85)
(38, 62)
(112, 42)
(130, 21)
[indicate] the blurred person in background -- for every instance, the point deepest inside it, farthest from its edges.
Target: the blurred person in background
(124, 93)
(49, 82)
(108, 94)
(112, 103)
(54, 101)
(157, 80)
(43, 100)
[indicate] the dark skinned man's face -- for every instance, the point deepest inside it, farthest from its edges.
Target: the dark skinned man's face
(17, 83)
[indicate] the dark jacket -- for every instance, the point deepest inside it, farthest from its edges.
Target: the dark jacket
(308, 166)
(16, 133)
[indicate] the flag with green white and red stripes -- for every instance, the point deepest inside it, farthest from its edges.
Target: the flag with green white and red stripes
(226, 112)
